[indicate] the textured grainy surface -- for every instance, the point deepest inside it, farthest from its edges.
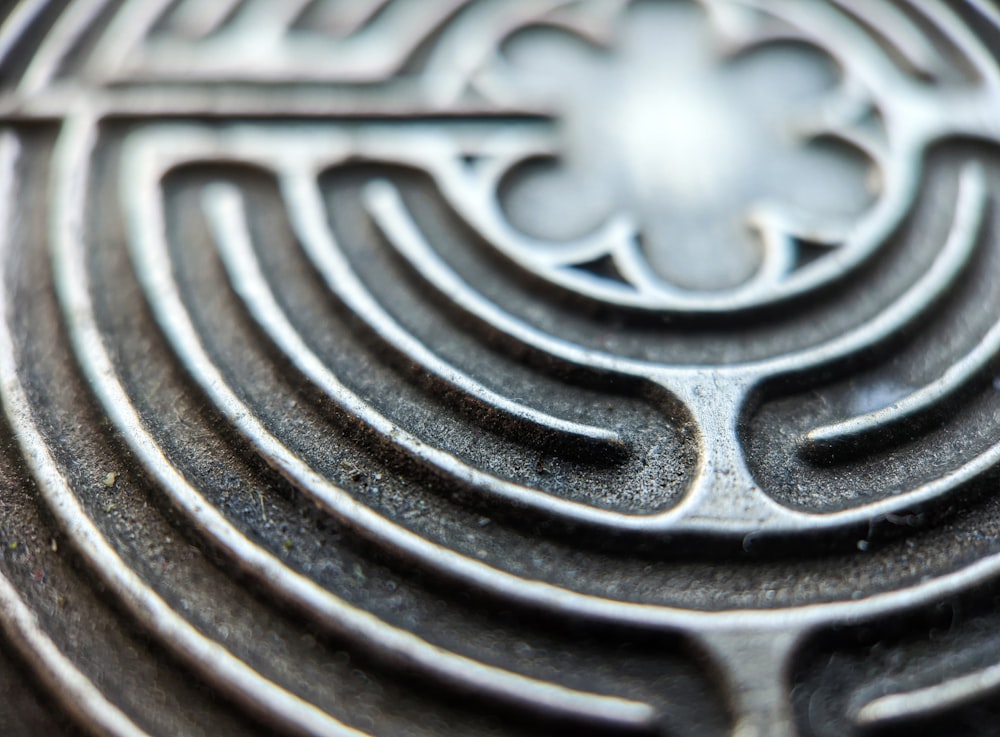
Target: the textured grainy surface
(499, 367)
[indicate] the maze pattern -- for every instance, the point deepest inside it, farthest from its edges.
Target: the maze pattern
(301, 437)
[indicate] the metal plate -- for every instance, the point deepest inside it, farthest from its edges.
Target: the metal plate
(494, 367)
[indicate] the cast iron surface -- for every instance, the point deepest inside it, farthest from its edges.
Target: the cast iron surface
(499, 367)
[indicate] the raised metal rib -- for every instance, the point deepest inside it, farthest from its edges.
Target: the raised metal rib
(912, 407)
(225, 209)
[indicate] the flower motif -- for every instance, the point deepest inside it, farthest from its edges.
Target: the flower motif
(694, 138)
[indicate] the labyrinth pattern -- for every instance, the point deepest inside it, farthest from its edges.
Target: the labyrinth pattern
(343, 395)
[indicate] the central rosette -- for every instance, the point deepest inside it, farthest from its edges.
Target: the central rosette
(696, 134)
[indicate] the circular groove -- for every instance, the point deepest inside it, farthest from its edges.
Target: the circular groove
(212, 661)
(228, 221)
(156, 274)
(732, 521)
(320, 604)
(921, 402)
(75, 692)
(388, 211)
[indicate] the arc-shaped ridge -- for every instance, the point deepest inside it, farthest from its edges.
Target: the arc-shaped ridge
(155, 272)
(913, 406)
(320, 605)
(929, 700)
(211, 660)
(68, 685)
(225, 210)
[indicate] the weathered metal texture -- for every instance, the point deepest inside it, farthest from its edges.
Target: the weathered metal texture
(488, 367)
